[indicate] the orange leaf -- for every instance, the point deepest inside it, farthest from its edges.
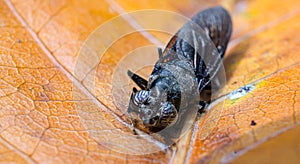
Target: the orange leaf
(61, 64)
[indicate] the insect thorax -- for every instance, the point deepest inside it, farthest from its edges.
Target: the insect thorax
(180, 77)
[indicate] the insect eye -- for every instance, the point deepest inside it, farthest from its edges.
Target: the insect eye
(141, 97)
(168, 109)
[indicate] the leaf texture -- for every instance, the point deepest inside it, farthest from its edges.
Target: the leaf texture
(54, 109)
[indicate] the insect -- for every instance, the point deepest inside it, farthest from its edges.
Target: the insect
(184, 69)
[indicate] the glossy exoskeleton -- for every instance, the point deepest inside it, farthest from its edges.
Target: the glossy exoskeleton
(183, 70)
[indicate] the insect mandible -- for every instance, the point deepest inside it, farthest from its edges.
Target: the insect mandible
(183, 70)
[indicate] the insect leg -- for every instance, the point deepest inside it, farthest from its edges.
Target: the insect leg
(130, 110)
(201, 106)
(142, 83)
(160, 53)
(130, 107)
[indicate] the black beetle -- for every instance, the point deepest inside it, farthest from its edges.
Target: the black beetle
(183, 70)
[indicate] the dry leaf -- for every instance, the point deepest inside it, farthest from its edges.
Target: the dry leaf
(61, 60)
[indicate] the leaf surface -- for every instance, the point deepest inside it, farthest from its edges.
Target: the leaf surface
(56, 109)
